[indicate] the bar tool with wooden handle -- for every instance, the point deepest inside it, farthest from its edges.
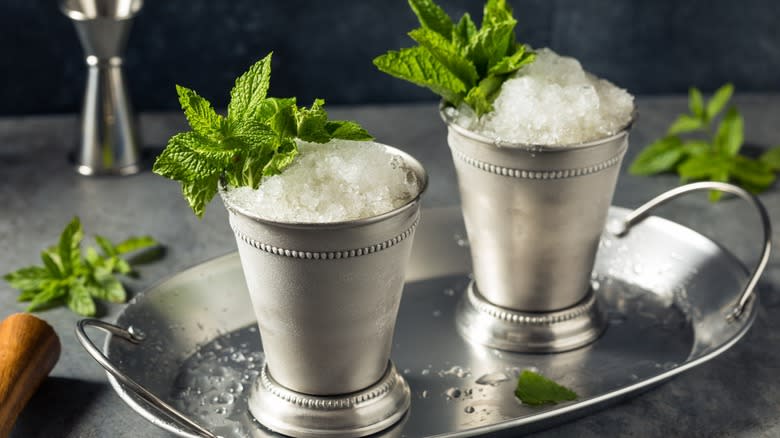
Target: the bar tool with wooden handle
(29, 349)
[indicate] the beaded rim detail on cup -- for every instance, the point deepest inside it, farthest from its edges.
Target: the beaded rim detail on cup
(528, 318)
(540, 174)
(326, 255)
(384, 386)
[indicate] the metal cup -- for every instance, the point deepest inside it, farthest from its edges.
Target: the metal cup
(326, 297)
(534, 216)
(109, 140)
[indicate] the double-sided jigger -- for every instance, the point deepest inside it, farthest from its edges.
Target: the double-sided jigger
(109, 140)
(534, 216)
(326, 297)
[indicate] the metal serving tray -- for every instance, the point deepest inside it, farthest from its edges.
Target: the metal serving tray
(668, 291)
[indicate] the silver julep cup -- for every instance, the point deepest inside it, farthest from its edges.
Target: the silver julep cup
(534, 216)
(326, 297)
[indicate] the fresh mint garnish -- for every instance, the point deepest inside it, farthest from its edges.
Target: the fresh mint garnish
(536, 390)
(697, 149)
(70, 277)
(256, 139)
(457, 61)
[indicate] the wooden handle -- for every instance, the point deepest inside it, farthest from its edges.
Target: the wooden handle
(29, 349)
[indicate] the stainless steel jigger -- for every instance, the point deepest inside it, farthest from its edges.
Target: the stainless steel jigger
(534, 216)
(109, 141)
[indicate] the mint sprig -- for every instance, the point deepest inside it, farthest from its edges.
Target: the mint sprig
(75, 279)
(457, 61)
(536, 390)
(255, 140)
(697, 148)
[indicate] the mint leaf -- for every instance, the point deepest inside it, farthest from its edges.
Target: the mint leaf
(720, 174)
(713, 159)
(719, 101)
(27, 295)
(495, 12)
(69, 248)
(708, 166)
(447, 54)
(459, 62)
(490, 45)
(512, 63)
(136, 243)
(432, 17)
(481, 97)
(79, 300)
(728, 139)
(30, 278)
(536, 390)
(108, 288)
(772, 158)
(49, 297)
(685, 123)
(754, 175)
(181, 162)
(419, 66)
(464, 31)
(67, 277)
(270, 106)
(282, 158)
(311, 123)
(347, 130)
(199, 192)
(54, 268)
(283, 122)
(249, 91)
(252, 135)
(256, 139)
(696, 103)
(661, 156)
(108, 248)
(200, 115)
(696, 147)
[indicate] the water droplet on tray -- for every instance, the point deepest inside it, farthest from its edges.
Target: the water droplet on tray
(452, 393)
(461, 240)
(492, 379)
(456, 371)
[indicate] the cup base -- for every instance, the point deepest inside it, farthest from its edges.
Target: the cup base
(482, 322)
(86, 170)
(350, 415)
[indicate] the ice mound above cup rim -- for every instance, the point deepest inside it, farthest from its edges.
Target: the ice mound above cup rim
(334, 182)
(551, 102)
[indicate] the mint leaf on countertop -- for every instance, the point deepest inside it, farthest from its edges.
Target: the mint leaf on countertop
(536, 390)
(255, 140)
(772, 158)
(72, 278)
(460, 62)
(698, 149)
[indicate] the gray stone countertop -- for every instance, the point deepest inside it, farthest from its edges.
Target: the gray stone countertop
(736, 394)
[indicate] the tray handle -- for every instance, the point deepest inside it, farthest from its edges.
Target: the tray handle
(155, 402)
(640, 213)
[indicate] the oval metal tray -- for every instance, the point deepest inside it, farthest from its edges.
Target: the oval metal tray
(667, 289)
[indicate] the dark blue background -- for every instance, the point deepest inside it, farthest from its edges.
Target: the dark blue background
(323, 48)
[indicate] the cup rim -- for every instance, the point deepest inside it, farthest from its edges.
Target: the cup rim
(413, 163)
(450, 122)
